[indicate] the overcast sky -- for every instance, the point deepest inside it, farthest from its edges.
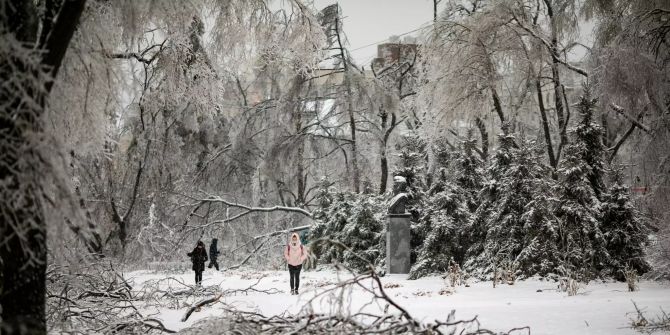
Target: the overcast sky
(371, 21)
(374, 21)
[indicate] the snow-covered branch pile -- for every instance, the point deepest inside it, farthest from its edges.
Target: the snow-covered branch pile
(394, 319)
(95, 298)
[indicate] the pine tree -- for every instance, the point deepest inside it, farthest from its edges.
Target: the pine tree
(412, 160)
(488, 197)
(356, 221)
(467, 174)
(412, 163)
(467, 171)
(581, 242)
(624, 231)
(539, 249)
(518, 228)
(590, 133)
(441, 228)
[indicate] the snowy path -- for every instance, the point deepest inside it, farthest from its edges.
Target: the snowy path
(600, 308)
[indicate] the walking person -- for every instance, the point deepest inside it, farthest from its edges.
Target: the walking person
(213, 254)
(294, 255)
(198, 258)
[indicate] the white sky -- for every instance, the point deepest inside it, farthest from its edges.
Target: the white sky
(372, 21)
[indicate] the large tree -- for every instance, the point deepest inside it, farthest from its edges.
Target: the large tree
(31, 61)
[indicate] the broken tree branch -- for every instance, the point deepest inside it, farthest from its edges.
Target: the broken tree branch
(621, 111)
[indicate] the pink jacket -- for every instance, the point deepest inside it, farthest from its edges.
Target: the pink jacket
(295, 253)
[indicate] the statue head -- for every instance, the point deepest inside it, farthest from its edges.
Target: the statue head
(398, 203)
(399, 184)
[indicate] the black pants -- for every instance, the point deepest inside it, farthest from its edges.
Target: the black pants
(294, 272)
(198, 277)
(214, 263)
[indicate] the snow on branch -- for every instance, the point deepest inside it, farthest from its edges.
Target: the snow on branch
(552, 51)
(249, 209)
(265, 238)
(621, 111)
(393, 319)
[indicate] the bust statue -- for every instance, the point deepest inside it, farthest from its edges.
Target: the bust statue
(399, 201)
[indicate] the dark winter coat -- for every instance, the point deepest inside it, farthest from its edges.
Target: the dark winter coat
(198, 257)
(213, 250)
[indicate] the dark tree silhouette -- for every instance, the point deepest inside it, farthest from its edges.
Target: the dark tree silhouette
(27, 76)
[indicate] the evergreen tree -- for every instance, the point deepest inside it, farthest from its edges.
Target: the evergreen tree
(355, 220)
(488, 197)
(412, 161)
(441, 228)
(581, 242)
(625, 233)
(529, 180)
(590, 133)
(467, 171)
(515, 217)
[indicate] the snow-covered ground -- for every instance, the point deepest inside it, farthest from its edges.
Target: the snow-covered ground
(599, 308)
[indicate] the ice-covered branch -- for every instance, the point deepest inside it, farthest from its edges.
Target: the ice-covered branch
(623, 113)
(216, 199)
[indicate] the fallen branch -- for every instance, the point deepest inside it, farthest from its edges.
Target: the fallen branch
(621, 111)
(221, 294)
(615, 149)
(644, 325)
(158, 326)
(199, 305)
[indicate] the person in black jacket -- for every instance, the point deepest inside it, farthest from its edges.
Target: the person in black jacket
(198, 258)
(213, 254)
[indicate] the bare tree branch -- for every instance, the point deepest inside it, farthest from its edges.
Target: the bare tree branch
(621, 111)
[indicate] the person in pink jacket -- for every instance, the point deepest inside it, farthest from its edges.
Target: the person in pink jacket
(294, 255)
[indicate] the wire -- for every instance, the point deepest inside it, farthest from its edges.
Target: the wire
(384, 40)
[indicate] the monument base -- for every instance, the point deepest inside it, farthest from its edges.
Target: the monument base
(398, 243)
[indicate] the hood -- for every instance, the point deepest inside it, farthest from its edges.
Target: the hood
(214, 240)
(200, 243)
(291, 239)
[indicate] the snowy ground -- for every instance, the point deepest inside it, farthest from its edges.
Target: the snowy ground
(600, 308)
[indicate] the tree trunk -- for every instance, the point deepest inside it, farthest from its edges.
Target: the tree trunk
(384, 171)
(485, 138)
(382, 144)
(383, 161)
(23, 255)
(350, 110)
(352, 126)
(545, 125)
(497, 104)
(556, 79)
(300, 169)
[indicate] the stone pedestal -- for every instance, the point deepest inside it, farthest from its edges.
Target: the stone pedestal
(397, 243)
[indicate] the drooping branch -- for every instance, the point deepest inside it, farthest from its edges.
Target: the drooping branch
(635, 122)
(140, 56)
(130, 55)
(553, 52)
(214, 199)
(615, 149)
